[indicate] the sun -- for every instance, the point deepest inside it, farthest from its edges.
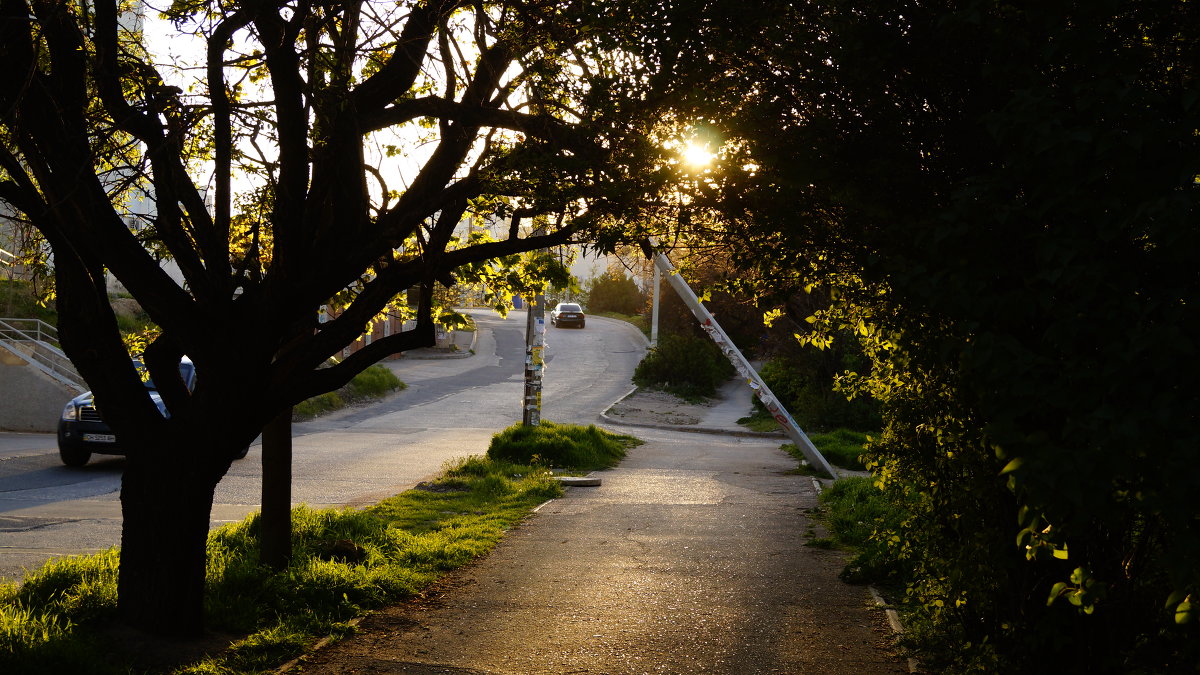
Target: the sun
(696, 156)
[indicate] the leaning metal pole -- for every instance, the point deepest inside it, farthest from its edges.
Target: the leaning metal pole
(735, 356)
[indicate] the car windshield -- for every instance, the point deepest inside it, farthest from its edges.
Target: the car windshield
(568, 308)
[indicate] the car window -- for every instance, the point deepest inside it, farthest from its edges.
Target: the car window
(569, 307)
(186, 371)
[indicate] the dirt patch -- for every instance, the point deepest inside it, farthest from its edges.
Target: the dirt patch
(658, 407)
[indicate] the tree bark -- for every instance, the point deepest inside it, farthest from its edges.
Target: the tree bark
(166, 499)
(275, 524)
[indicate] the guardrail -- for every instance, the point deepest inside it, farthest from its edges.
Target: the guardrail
(37, 342)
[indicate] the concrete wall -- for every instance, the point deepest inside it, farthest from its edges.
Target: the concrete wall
(30, 400)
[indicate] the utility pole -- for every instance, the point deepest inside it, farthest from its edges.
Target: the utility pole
(709, 323)
(535, 345)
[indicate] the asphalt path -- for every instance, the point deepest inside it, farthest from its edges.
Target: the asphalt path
(451, 409)
(690, 557)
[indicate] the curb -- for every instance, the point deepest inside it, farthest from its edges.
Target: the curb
(604, 417)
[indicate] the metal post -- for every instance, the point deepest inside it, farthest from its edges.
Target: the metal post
(654, 308)
(739, 361)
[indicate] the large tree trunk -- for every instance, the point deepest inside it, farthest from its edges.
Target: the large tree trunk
(275, 531)
(166, 501)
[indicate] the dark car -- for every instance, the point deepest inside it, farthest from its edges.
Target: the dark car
(567, 314)
(82, 431)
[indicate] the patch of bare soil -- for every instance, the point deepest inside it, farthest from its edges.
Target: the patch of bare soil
(657, 407)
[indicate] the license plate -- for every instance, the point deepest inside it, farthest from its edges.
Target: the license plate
(100, 438)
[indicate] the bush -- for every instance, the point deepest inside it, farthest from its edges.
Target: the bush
(689, 367)
(614, 292)
(804, 384)
(560, 445)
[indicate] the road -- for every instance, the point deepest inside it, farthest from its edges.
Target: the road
(451, 409)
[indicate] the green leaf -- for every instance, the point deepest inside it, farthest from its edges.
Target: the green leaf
(1056, 591)
(1175, 598)
(1184, 613)
(1012, 466)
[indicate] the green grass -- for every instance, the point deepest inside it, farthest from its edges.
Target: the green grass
(854, 509)
(841, 447)
(759, 421)
(345, 562)
(375, 382)
(560, 445)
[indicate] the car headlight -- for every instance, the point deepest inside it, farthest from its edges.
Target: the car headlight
(70, 413)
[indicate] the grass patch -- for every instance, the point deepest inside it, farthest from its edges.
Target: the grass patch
(375, 382)
(841, 447)
(854, 510)
(560, 445)
(762, 422)
(345, 562)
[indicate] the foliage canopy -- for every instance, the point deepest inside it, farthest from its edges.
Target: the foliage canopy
(1002, 202)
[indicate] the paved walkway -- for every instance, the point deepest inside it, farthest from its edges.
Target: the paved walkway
(689, 558)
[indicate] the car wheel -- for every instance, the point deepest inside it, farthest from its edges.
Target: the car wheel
(581, 324)
(73, 456)
(242, 453)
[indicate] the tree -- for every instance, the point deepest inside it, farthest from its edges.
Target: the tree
(295, 131)
(614, 292)
(1001, 199)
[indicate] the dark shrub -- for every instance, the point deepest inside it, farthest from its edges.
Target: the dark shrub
(689, 367)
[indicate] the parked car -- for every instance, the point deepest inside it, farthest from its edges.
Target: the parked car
(82, 431)
(566, 314)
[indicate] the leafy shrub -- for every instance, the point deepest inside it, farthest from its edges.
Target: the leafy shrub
(689, 367)
(560, 445)
(805, 385)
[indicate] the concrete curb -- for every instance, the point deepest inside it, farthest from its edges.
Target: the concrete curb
(604, 417)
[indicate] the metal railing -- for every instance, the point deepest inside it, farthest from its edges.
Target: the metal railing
(7, 259)
(37, 342)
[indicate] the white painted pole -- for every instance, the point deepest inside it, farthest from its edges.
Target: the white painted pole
(739, 361)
